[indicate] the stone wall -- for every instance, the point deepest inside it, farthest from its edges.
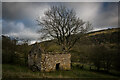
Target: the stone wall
(49, 62)
(34, 60)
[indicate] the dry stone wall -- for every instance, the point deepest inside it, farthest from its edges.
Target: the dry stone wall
(49, 62)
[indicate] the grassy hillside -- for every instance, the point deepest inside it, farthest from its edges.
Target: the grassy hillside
(109, 37)
(89, 38)
(106, 31)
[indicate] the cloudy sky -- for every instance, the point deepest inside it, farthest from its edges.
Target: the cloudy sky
(19, 18)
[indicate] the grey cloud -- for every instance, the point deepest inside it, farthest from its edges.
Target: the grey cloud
(98, 13)
(12, 27)
(0, 10)
(25, 12)
(61, 1)
(88, 11)
(0, 27)
(108, 17)
(0, 19)
(19, 30)
(22, 10)
(20, 17)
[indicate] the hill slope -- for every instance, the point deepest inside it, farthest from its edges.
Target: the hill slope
(96, 37)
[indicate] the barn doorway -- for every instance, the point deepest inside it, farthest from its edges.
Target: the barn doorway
(57, 66)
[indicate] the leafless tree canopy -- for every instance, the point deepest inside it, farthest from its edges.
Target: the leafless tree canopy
(62, 24)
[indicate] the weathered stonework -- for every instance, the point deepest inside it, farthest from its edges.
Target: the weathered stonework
(49, 61)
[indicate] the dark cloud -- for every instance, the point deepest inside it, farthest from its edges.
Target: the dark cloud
(20, 17)
(61, 1)
(22, 10)
(98, 13)
(0, 19)
(0, 10)
(108, 15)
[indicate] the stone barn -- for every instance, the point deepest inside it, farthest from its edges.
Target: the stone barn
(48, 61)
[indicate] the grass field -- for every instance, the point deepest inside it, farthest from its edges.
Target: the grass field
(15, 71)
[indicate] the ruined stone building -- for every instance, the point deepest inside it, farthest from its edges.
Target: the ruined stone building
(48, 61)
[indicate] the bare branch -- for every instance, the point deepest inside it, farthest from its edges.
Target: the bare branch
(62, 24)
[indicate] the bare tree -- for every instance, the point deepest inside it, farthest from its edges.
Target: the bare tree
(62, 24)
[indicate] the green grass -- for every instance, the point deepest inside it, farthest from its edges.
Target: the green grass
(15, 71)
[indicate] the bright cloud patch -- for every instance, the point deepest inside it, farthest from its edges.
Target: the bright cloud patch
(19, 30)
